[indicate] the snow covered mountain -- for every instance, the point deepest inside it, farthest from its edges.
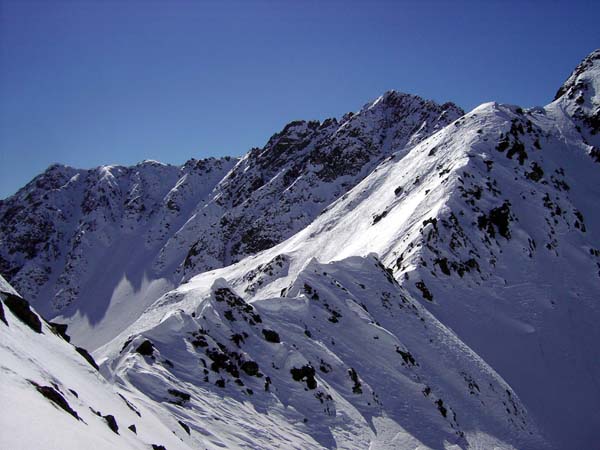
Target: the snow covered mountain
(79, 241)
(96, 247)
(406, 277)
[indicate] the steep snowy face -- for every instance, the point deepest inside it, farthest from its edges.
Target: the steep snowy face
(54, 397)
(276, 191)
(579, 97)
(69, 232)
(344, 358)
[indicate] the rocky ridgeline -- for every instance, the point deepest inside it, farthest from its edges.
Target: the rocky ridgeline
(55, 231)
(278, 190)
(68, 224)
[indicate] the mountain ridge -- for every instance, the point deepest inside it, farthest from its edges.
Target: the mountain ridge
(68, 223)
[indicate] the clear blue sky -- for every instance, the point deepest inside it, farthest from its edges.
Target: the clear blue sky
(95, 82)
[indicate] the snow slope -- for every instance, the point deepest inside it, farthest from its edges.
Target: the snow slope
(345, 359)
(53, 398)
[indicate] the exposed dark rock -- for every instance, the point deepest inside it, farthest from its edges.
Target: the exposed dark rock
(250, 367)
(146, 348)
(503, 144)
(112, 423)
(324, 367)
(83, 352)
(61, 330)
(442, 409)
(255, 241)
(443, 264)
(536, 173)
(275, 268)
(199, 340)
(271, 336)
(2, 317)
(237, 304)
(20, 308)
(237, 338)
(406, 356)
(132, 428)
(499, 218)
(130, 406)
(224, 359)
(305, 373)
(432, 221)
(158, 447)
(427, 295)
(126, 343)
(378, 217)
(184, 426)
(517, 149)
(357, 389)
(180, 397)
(55, 397)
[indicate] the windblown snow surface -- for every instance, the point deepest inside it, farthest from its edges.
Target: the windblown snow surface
(441, 292)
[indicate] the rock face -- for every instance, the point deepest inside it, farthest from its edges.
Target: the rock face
(402, 277)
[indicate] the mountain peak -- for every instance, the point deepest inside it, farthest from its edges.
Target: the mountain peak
(579, 98)
(395, 99)
(586, 71)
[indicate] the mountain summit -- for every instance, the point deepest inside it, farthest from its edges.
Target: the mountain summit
(579, 97)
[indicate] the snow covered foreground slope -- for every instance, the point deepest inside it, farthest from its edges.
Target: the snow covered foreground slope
(52, 398)
(492, 222)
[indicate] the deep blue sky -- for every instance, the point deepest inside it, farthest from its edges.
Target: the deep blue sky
(89, 82)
